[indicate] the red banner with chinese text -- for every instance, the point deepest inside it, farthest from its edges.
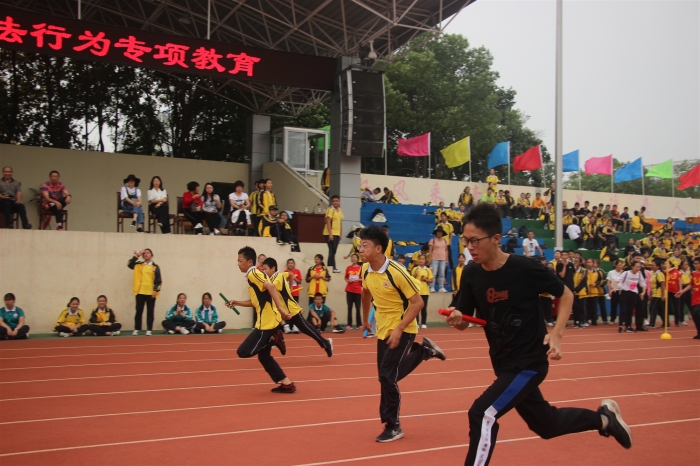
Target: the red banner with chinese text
(90, 41)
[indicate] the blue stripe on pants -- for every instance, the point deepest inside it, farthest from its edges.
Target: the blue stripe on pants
(513, 389)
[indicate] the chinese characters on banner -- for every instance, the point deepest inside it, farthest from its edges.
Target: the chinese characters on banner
(98, 43)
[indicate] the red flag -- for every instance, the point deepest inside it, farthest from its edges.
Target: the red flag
(690, 179)
(599, 165)
(529, 160)
(415, 147)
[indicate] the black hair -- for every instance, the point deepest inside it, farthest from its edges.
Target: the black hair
(9, 296)
(161, 182)
(102, 296)
(192, 185)
(248, 253)
(180, 294)
(335, 196)
(401, 256)
(237, 184)
(425, 247)
(317, 295)
(205, 196)
(376, 235)
(484, 216)
(358, 256)
(54, 171)
(292, 261)
(205, 294)
(149, 250)
(658, 262)
(618, 261)
(261, 255)
(74, 298)
(636, 212)
(270, 262)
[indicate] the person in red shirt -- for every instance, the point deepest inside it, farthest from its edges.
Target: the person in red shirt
(192, 207)
(295, 281)
(675, 305)
(353, 290)
(694, 287)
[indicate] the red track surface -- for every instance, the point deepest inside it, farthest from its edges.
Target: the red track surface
(190, 400)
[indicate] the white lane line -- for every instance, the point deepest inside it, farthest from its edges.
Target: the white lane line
(466, 445)
(179, 342)
(256, 369)
(320, 355)
(302, 426)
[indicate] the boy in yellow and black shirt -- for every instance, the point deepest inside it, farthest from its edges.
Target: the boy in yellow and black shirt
(270, 312)
(281, 282)
(580, 286)
(658, 293)
(397, 301)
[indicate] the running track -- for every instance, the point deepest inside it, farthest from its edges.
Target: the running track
(189, 400)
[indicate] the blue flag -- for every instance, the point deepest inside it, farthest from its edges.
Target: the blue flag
(629, 172)
(570, 162)
(499, 155)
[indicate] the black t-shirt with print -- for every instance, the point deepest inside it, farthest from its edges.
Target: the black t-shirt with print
(568, 277)
(508, 299)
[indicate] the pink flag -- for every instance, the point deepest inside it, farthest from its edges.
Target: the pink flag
(415, 147)
(599, 166)
(529, 160)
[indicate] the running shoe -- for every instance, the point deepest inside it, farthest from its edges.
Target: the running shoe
(295, 329)
(338, 329)
(442, 290)
(616, 426)
(135, 333)
(287, 329)
(171, 332)
(630, 330)
(329, 347)
(63, 334)
(278, 340)
(281, 388)
(423, 326)
(184, 331)
(149, 333)
(348, 327)
(390, 434)
(433, 350)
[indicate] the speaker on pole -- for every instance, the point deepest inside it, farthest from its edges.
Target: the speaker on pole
(363, 111)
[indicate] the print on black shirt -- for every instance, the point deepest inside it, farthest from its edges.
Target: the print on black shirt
(508, 299)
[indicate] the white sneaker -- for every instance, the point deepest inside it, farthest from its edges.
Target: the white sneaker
(63, 334)
(184, 331)
(114, 334)
(212, 234)
(199, 225)
(135, 333)
(471, 325)
(217, 232)
(295, 329)
(432, 290)
(171, 332)
(286, 328)
(148, 333)
(442, 290)
(220, 330)
(423, 326)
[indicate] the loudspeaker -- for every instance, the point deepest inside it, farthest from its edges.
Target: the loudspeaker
(362, 112)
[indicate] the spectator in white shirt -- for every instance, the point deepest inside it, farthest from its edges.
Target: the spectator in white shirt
(158, 204)
(240, 204)
(530, 245)
(131, 201)
(573, 231)
(211, 204)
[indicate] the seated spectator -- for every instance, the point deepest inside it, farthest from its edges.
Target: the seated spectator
(625, 217)
(635, 225)
(438, 212)
(466, 199)
(388, 198)
(240, 207)
(537, 205)
(502, 204)
(284, 230)
(103, 321)
(268, 223)
(158, 204)
(12, 326)
(488, 196)
(55, 198)
(367, 194)
(401, 259)
(131, 201)
(179, 317)
(573, 232)
(321, 315)
(11, 199)
(192, 207)
(71, 321)
(211, 204)
(317, 277)
(531, 246)
(521, 206)
(207, 317)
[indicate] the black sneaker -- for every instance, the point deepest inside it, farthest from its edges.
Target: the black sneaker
(133, 224)
(630, 330)
(329, 347)
(278, 340)
(281, 388)
(390, 434)
(338, 329)
(616, 426)
(433, 349)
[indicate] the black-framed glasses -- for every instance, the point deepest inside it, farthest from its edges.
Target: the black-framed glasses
(474, 241)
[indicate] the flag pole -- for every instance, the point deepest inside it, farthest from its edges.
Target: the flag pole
(612, 175)
(673, 192)
(509, 164)
(470, 158)
(642, 181)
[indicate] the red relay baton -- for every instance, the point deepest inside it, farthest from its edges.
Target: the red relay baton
(466, 318)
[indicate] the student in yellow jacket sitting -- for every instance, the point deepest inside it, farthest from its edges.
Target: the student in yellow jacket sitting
(103, 321)
(71, 321)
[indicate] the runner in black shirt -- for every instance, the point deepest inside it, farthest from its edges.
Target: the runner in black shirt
(504, 290)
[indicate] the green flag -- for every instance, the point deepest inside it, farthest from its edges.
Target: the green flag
(457, 154)
(662, 170)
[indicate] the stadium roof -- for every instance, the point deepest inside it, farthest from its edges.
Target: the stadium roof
(331, 28)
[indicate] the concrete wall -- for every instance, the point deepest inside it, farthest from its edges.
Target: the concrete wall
(291, 193)
(93, 178)
(44, 269)
(421, 190)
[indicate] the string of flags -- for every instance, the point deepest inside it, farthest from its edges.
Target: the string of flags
(459, 153)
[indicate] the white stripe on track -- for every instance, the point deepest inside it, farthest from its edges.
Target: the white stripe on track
(301, 426)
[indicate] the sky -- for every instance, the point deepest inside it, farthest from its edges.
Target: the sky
(631, 72)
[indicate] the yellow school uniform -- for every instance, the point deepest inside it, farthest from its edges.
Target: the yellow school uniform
(281, 282)
(492, 179)
(657, 281)
(318, 285)
(423, 273)
(268, 317)
(67, 318)
(456, 278)
(336, 216)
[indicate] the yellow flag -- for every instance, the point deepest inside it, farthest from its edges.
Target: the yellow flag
(457, 154)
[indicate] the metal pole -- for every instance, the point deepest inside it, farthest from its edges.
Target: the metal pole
(509, 164)
(428, 164)
(558, 142)
(469, 141)
(208, 19)
(80, 9)
(642, 181)
(673, 191)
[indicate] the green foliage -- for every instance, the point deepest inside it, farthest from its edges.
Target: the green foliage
(652, 186)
